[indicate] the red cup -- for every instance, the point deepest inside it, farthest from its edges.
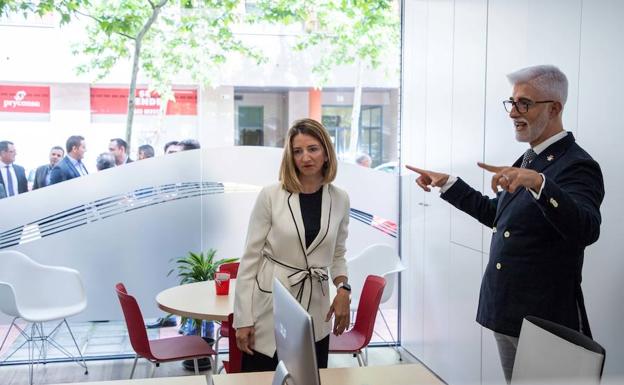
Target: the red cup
(222, 283)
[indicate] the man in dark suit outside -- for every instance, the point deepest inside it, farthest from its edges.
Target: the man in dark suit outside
(71, 166)
(13, 179)
(546, 214)
(119, 148)
(42, 175)
(145, 152)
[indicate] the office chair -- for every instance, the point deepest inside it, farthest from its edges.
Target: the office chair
(222, 332)
(160, 350)
(549, 352)
(38, 294)
(378, 259)
(234, 362)
(356, 339)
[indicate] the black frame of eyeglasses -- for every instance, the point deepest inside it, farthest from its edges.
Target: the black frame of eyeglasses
(513, 103)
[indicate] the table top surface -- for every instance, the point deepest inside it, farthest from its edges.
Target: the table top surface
(198, 300)
(186, 380)
(409, 374)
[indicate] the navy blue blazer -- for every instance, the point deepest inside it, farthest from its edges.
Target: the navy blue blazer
(22, 182)
(536, 253)
(41, 176)
(62, 171)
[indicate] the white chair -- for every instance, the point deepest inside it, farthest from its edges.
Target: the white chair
(37, 294)
(551, 353)
(377, 259)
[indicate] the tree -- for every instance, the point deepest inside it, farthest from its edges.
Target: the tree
(64, 8)
(163, 39)
(360, 33)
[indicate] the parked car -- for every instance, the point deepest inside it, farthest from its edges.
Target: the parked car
(391, 167)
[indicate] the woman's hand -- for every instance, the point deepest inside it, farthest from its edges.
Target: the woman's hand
(341, 311)
(246, 339)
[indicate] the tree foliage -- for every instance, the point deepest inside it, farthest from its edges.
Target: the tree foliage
(344, 31)
(357, 33)
(188, 37)
(65, 8)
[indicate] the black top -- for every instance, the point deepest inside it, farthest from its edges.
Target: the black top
(311, 213)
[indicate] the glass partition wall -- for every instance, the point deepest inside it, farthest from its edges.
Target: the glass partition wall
(129, 223)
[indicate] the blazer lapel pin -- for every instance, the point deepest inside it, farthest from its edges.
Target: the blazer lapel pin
(550, 158)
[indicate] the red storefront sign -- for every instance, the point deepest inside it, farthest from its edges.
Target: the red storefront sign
(112, 101)
(25, 99)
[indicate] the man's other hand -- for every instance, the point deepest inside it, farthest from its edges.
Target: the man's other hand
(511, 178)
(428, 179)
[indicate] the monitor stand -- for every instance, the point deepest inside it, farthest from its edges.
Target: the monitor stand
(281, 374)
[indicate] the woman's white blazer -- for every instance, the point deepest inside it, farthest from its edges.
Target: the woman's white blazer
(275, 247)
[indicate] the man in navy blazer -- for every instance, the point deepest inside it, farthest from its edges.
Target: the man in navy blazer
(119, 148)
(42, 175)
(546, 214)
(13, 177)
(71, 165)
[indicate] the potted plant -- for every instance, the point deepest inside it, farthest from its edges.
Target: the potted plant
(198, 268)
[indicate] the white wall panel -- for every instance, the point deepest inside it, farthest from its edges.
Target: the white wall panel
(464, 331)
(467, 112)
(438, 156)
(413, 278)
(413, 118)
(583, 39)
(601, 133)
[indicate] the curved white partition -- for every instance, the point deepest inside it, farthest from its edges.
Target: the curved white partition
(125, 224)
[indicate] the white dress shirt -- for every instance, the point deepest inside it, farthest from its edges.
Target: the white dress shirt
(3, 169)
(79, 166)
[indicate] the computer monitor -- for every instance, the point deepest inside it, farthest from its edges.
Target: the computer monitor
(294, 338)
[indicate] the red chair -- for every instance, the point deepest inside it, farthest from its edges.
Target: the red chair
(223, 330)
(161, 350)
(231, 268)
(234, 363)
(356, 339)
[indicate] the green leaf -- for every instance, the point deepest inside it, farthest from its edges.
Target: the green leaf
(198, 267)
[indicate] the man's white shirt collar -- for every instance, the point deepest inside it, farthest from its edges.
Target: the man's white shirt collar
(542, 146)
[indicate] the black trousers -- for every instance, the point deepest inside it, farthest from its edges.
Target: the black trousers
(259, 362)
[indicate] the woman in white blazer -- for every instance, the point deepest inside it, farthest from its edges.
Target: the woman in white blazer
(297, 233)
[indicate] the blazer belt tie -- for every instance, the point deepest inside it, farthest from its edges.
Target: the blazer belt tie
(301, 276)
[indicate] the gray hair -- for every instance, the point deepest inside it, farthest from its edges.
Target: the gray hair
(147, 150)
(547, 79)
(361, 157)
(105, 160)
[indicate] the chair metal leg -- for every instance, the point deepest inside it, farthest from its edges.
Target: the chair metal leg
(84, 363)
(213, 365)
(396, 343)
(6, 336)
(216, 346)
(39, 335)
(23, 333)
(359, 358)
(31, 354)
(153, 370)
(196, 365)
(136, 358)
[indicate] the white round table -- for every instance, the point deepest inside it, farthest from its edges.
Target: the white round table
(198, 300)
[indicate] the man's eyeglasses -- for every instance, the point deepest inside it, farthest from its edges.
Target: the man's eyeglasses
(522, 105)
